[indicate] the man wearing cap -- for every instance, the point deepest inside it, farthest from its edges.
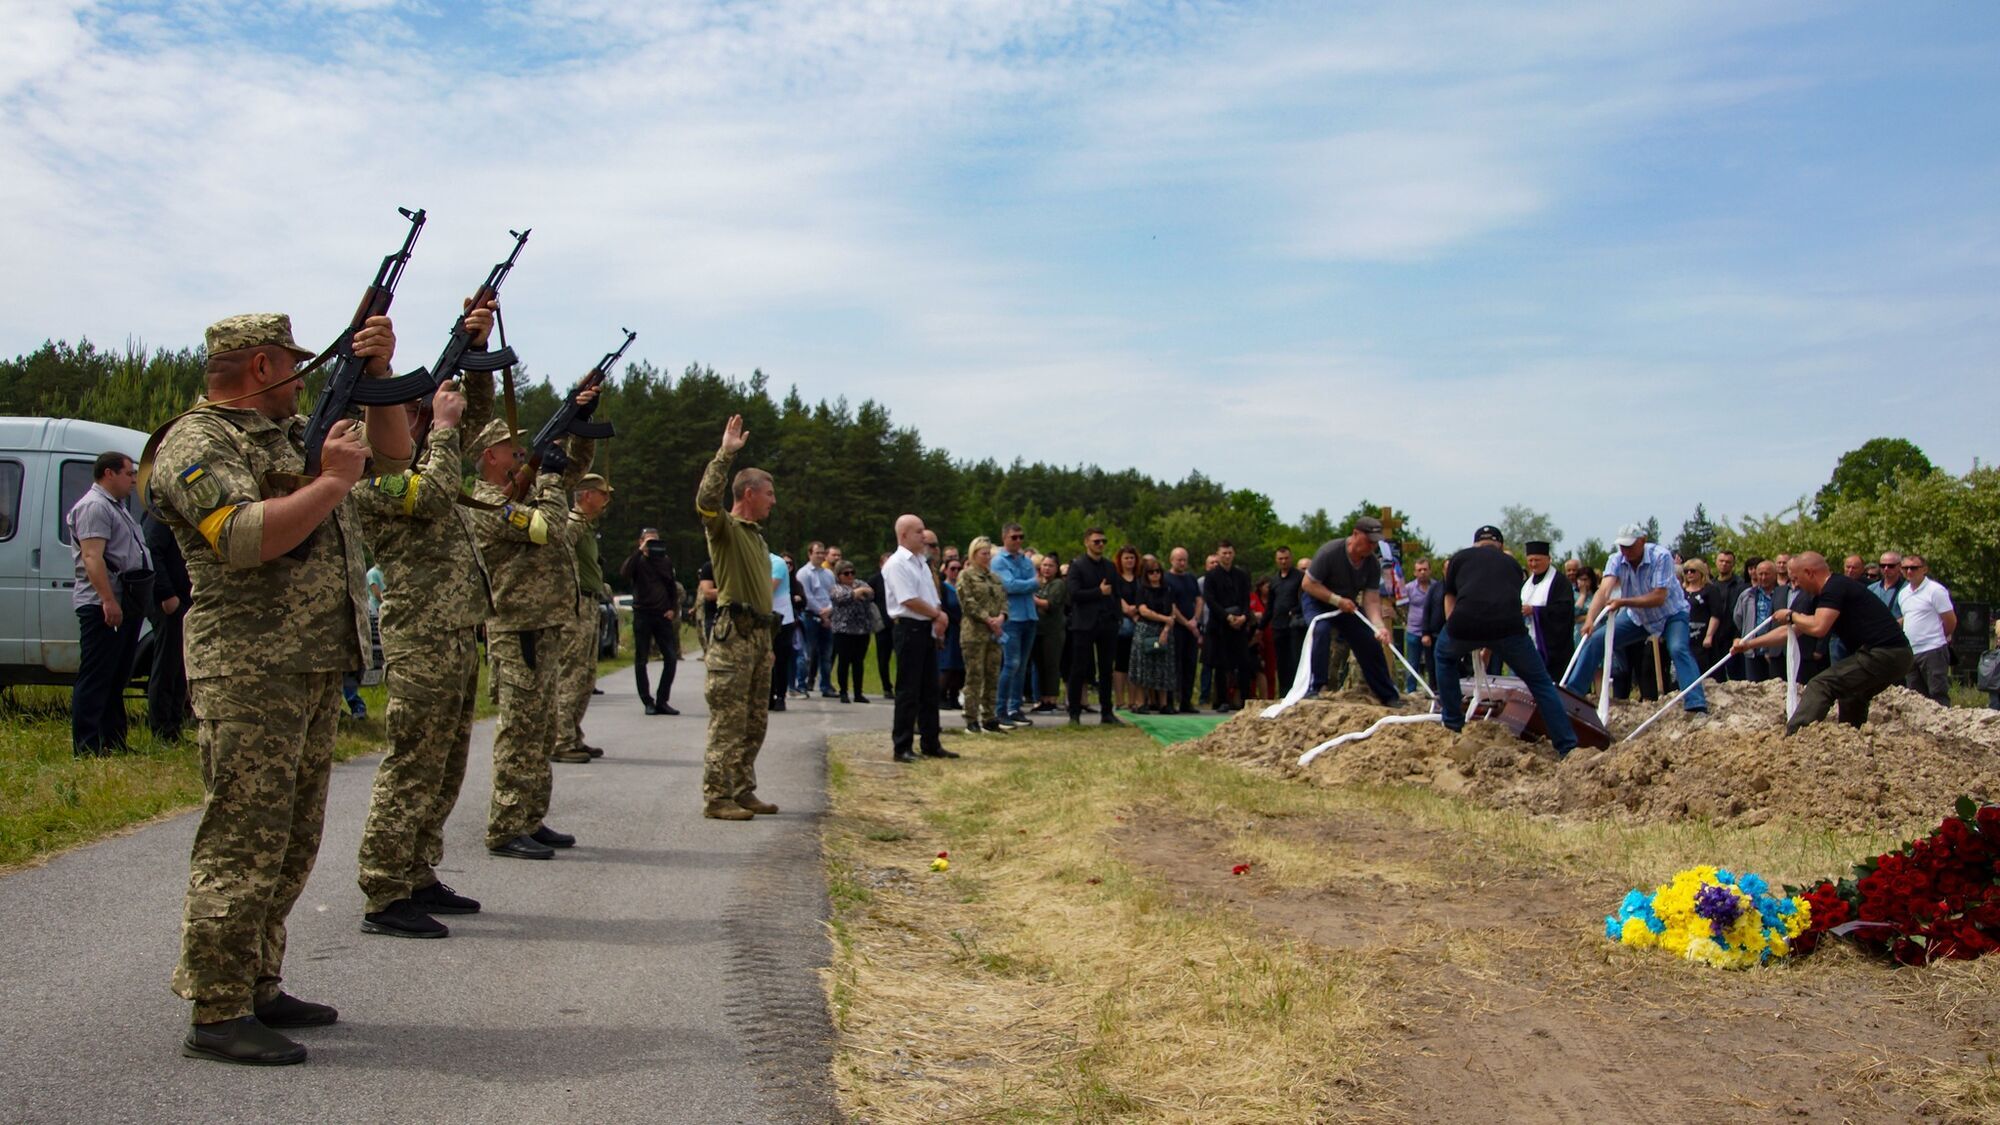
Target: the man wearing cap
(577, 672)
(529, 560)
(1346, 574)
(1548, 602)
(656, 603)
(267, 639)
(1640, 582)
(435, 598)
(1482, 609)
(738, 663)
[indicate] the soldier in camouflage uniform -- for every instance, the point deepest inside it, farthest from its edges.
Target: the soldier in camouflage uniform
(267, 641)
(983, 597)
(436, 598)
(532, 568)
(739, 652)
(577, 674)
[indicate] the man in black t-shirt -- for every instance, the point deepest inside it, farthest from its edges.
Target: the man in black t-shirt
(1346, 575)
(1288, 626)
(1878, 654)
(1482, 606)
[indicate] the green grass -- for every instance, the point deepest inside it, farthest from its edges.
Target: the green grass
(51, 800)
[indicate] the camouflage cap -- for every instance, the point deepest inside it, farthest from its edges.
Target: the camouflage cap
(253, 330)
(495, 433)
(595, 481)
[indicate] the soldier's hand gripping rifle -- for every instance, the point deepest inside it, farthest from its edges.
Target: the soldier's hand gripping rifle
(347, 385)
(571, 419)
(460, 353)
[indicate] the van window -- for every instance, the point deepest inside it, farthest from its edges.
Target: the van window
(10, 498)
(75, 482)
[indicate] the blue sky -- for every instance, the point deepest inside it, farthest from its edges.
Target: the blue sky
(1604, 260)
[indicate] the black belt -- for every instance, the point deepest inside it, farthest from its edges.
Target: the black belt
(738, 609)
(915, 622)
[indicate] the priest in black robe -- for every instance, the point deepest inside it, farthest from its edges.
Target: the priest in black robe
(1549, 603)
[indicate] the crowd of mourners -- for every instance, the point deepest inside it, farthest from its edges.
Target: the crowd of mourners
(1145, 631)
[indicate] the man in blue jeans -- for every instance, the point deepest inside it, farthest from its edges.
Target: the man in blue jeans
(1482, 608)
(1017, 640)
(1640, 583)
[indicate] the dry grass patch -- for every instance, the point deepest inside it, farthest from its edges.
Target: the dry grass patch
(1039, 977)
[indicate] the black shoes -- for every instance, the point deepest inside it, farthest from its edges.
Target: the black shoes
(1075, 719)
(905, 756)
(1110, 721)
(973, 727)
(860, 698)
(777, 704)
(243, 1040)
(666, 709)
(287, 1010)
(522, 847)
(440, 899)
(940, 752)
(403, 919)
(652, 710)
(549, 837)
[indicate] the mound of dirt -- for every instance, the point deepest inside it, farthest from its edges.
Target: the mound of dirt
(1905, 768)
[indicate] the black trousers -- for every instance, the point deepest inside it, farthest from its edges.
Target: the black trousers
(1229, 653)
(1184, 660)
(1288, 641)
(1090, 657)
(916, 719)
(885, 647)
(848, 651)
(1367, 653)
(648, 631)
(166, 684)
(104, 666)
(782, 658)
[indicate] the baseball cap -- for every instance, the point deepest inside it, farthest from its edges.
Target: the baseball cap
(253, 330)
(594, 481)
(1629, 534)
(1488, 532)
(1369, 524)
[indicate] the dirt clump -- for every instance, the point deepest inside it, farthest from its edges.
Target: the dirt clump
(1905, 767)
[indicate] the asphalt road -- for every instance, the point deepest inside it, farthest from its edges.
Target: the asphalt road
(664, 969)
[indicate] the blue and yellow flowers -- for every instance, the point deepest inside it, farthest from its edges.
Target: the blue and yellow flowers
(1710, 915)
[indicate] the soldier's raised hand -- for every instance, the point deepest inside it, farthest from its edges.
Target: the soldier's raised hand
(479, 321)
(448, 405)
(344, 454)
(377, 342)
(733, 434)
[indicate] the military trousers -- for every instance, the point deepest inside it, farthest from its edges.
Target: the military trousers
(433, 687)
(982, 674)
(576, 674)
(266, 744)
(526, 733)
(738, 692)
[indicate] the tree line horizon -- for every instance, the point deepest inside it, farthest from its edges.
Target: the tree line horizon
(846, 472)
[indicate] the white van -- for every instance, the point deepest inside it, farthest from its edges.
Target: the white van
(45, 466)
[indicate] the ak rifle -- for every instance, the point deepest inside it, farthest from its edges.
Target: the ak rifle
(459, 352)
(571, 419)
(347, 385)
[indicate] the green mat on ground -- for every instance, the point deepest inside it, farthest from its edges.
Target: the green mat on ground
(1169, 729)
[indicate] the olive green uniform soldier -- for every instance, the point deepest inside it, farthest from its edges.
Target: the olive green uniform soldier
(437, 595)
(738, 661)
(268, 639)
(578, 672)
(983, 597)
(529, 560)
